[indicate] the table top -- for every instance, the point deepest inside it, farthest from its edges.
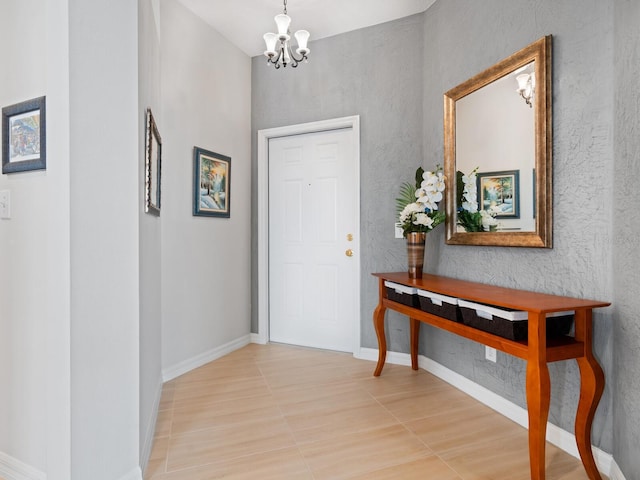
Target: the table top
(494, 295)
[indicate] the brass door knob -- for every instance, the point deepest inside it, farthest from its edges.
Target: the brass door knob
(349, 253)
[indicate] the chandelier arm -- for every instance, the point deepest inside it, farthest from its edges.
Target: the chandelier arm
(297, 60)
(526, 99)
(279, 60)
(275, 61)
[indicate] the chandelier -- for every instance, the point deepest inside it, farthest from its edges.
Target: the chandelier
(280, 54)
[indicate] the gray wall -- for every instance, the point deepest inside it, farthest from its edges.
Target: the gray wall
(394, 76)
(463, 38)
(626, 261)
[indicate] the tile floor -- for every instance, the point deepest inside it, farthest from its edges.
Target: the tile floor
(282, 412)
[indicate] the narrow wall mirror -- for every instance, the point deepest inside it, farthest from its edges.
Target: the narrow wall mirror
(497, 125)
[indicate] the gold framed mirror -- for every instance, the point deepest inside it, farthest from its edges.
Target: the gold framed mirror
(497, 126)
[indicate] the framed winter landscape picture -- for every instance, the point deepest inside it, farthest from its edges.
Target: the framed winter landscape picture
(212, 182)
(500, 192)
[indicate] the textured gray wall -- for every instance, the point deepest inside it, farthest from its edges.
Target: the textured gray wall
(626, 261)
(394, 76)
(463, 38)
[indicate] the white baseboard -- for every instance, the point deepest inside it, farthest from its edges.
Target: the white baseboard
(204, 358)
(135, 474)
(555, 435)
(147, 445)
(259, 339)
(13, 469)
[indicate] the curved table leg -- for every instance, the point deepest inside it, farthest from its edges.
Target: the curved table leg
(378, 323)
(538, 399)
(591, 388)
(538, 394)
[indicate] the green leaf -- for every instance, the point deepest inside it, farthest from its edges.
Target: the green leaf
(407, 196)
(419, 173)
(459, 188)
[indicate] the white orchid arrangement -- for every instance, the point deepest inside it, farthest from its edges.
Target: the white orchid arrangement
(469, 217)
(417, 205)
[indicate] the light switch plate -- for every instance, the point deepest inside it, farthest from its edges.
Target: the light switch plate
(5, 204)
(398, 230)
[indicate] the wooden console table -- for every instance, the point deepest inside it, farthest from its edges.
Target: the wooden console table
(537, 351)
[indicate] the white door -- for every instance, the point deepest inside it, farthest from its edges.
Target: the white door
(313, 272)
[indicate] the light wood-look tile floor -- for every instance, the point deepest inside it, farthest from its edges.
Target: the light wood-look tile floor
(282, 412)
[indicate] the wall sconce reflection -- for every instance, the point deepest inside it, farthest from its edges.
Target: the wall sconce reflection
(527, 87)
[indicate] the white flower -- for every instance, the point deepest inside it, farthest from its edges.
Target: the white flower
(435, 181)
(423, 219)
(488, 220)
(429, 199)
(470, 192)
(430, 191)
(410, 210)
(469, 179)
(471, 207)
(421, 214)
(471, 195)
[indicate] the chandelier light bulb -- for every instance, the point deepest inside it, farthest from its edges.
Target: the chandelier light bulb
(270, 39)
(523, 81)
(283, 21)
(302, 37)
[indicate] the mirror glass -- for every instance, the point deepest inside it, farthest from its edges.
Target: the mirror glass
(498, 127)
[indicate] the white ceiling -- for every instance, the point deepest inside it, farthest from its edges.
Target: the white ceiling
(243, 22)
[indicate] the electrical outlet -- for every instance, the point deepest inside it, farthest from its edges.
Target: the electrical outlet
(5, 204)
(490, 354)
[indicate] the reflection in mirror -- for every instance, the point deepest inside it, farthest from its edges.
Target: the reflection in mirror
(497, 126)
(495, 130)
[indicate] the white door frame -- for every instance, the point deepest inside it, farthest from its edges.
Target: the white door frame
(263, 215)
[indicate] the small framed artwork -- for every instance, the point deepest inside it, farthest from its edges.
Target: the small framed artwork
(500, 192)
(211, 184)
(153, 166)
(24, 140)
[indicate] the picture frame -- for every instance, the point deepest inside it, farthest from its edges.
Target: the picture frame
(211, 184)
(153, 165)
(24, 136)
(500, 190)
